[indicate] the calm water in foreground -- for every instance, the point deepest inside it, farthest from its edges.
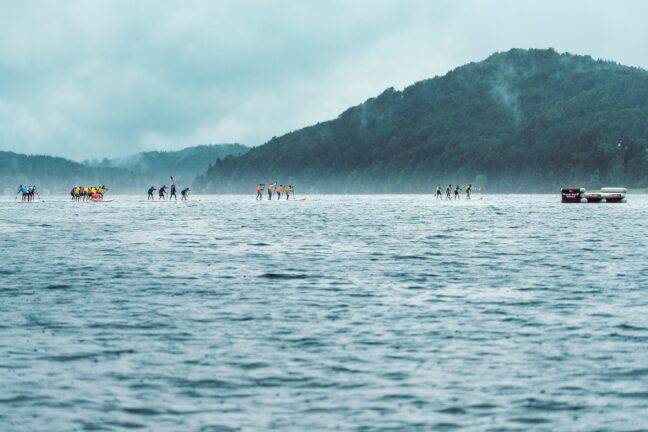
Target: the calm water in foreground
(337, 313)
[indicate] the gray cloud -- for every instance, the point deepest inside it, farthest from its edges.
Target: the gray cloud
(108, 78)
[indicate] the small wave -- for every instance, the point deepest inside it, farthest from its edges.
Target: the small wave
(142, 411)
(483, 406)
(206, 383)
(218, 428)
(126, 425)
(445, 426)
(633, 395)
(549, 405)
(530, 420)
(283, 276)
(630, 327)
(410, 257)
(57, 286)
(22, 398)
(453, 411)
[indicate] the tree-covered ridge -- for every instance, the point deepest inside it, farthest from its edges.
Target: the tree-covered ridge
(132, 174)
(525, 120)
(185, 162)
(56, 174)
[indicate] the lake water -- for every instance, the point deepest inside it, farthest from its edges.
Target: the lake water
(336, 313)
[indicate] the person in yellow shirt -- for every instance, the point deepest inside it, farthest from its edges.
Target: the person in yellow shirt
(279, 190)
(259, 196)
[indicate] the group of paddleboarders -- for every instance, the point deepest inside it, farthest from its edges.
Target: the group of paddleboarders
(162, 193)
(29, 193)
(274, 190)
(449, 191)
(88, 193)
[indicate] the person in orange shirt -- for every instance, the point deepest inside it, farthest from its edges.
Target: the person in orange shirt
(279, 190)
(259, 196)
(289, 190)
(270, 189)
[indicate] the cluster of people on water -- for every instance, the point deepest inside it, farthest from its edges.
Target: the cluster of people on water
(29, 193)
(457, 192)
(274, 190)
(162, 193)
(88, 193)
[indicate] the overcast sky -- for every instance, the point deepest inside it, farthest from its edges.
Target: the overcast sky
(107, 78)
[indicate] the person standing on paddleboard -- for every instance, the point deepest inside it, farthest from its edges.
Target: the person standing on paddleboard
(438, 193)
(270, 189)
(259, 196)
(150, 193)
(173, 189)
(289, 190)
(448, 189)
(468, 191)
(185, 194)
(162, 192)
(279, 190)
(456, 192)
(21, 191)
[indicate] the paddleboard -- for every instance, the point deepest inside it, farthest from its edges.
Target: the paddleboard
(100, 201)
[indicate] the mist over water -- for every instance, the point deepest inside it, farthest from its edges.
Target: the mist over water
(336, 313)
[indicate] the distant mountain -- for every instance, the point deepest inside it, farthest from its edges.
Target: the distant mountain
(131, 174)
(523, 120)
(56, 174)
(186, 163)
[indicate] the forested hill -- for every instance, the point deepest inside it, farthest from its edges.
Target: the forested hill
(186, 162)
(132, 174)
(58, 175)
(523, 120)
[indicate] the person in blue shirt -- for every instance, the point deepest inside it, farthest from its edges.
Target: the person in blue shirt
(185, 193)
(23, 190)
(173, 192)
(161, 193)
(150, 193)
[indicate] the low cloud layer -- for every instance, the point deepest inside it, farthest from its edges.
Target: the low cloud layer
(99, 79)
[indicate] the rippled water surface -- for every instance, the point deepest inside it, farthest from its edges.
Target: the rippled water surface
(336, 313)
